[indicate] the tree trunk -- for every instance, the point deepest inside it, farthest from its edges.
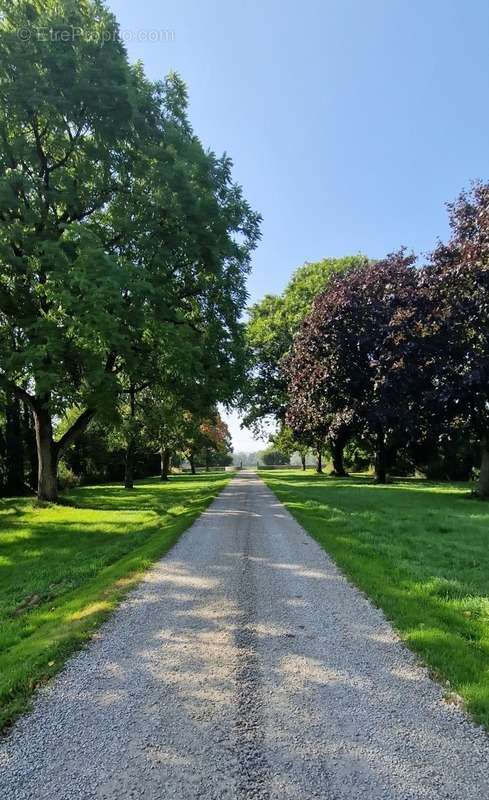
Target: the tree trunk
(192, 463)
(47, 456)
(47, 450)
(484, 472)
(319, 467)
(380, 459)
(303, 462)
(76, 460)
(165, 463)
(337, 456)
(14, 448)
(129, 466)
(31, 449)
(130, 448)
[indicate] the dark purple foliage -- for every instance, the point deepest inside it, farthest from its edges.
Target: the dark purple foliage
(354, 356)
(455, 323)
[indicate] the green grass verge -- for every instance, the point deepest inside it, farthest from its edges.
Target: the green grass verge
(63, 568)
(421, 552)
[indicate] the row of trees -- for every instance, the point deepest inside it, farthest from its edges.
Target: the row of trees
(394, 355)
(124, 244)
(100, 453)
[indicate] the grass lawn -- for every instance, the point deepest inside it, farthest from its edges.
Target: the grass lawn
(64, 568)
(421, 552)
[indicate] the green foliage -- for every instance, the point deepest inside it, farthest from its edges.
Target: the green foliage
(18, 464)
(358, 455)
(82, 559)
(272, 326)
(97, 455)
(216, 458)
(285, 442)
(308, 281)
(124, 244)
(274, 457)
(268, 340)
(67, 121)
(419, 550)
(66, 477)
(452, 457)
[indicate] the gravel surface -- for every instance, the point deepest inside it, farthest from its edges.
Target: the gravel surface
(244, 666)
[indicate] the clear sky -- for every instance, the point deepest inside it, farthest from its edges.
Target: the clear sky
(350, 122)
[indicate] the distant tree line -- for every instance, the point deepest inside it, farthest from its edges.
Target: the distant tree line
(389, 363)
(124, 251)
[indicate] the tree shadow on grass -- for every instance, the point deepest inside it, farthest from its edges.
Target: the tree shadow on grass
(422, 486)
(45, 559)
(150, 494)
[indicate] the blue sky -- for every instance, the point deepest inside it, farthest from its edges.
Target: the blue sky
(350, 122)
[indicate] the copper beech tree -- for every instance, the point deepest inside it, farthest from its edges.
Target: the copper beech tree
(455, 323)
(351, 361)
(400, 354)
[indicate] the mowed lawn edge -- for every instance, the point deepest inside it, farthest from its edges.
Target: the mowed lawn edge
(37, 641)
(420, 552)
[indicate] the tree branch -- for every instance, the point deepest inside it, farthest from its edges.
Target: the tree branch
(43, 170)
(19, 392)
(110, 363)
(182, 322)
(76, 429)
(69, 152)
(137, 389)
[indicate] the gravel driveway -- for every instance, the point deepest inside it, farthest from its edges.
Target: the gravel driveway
(244, 666)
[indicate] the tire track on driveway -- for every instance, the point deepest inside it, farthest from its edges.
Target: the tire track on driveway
(254, 772)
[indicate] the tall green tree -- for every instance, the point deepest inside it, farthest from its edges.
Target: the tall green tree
(66, 116)
(118, 228)
(285, 442)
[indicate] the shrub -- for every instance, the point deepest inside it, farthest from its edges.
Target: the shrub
(66, 477)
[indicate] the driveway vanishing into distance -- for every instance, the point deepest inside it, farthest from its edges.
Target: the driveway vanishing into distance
(244, 666)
